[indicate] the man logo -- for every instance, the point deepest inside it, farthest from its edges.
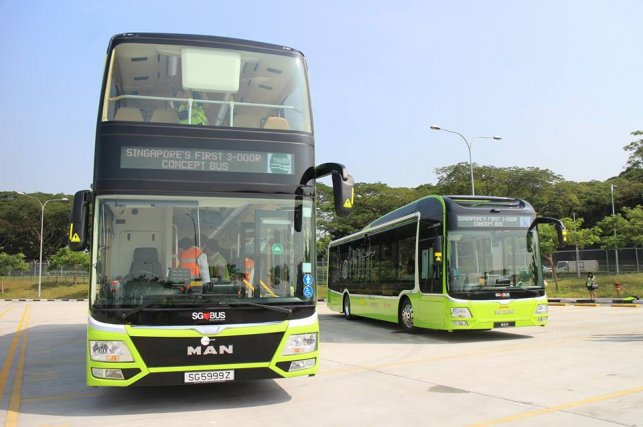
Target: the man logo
(206, 349)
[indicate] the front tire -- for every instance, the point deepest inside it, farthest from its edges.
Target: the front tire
(406, 316)
(346, 307)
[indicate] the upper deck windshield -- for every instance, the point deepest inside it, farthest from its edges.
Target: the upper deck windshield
(484, 260)
(174, 251)
(189, 85)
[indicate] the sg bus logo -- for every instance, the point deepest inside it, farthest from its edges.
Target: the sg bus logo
(212, 316)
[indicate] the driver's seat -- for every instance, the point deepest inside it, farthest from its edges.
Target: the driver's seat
(146, 259)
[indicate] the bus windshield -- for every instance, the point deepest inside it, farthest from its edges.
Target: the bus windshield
(167, 83)
(482, 260)
(168, 251)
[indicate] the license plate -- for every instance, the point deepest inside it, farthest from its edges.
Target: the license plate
(504, 324)
(208, 377)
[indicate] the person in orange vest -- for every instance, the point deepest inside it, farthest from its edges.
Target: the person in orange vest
(194, 259)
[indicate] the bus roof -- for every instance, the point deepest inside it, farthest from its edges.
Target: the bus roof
(429, 205)
(196, 39)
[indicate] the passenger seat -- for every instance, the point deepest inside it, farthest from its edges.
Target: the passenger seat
(128, 114)
(161, 115)
(275, 122)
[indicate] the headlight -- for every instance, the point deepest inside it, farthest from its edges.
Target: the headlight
(108, 374)
(298, 365)
(109, 351)
(299, 344)
(542, 308)
(460, 312)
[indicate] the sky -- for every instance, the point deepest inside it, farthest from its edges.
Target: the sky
(560, 81)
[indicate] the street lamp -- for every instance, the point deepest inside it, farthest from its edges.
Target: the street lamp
(496, 138)
(613, 215)
(42, 226)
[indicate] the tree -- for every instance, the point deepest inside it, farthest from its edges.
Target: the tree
(564, 200)
(10, 263)
(65, 257)
(548, 239)
(579, 237)
(622, 230)
(371, 202)
(613, 230)
(634, 166)
(20, 224)
(634, 227)
(454, 179)
(635, 161)
(535, 185)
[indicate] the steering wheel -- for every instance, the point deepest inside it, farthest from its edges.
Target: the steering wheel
(148, 276)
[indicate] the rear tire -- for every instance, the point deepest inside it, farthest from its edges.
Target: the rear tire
(346, 307)
(406, 316)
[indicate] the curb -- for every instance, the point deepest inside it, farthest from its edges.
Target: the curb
(599, 302)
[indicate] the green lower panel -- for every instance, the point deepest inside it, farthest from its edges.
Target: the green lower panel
(433, 311)
(495, 314)
(334, 300)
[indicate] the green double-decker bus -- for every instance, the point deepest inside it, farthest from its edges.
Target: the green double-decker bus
(444, 262)
(201, 215)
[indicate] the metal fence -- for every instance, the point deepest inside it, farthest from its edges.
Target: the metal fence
(610, 261)
(34, 270)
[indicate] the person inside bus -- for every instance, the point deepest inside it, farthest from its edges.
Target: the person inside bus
(198, 117)
(217, 262)
(193, 258)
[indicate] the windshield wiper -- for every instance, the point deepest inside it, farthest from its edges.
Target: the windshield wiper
(140, 308)
(286, 310)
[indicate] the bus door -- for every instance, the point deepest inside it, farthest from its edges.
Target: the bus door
(432, 305)
(275, 273)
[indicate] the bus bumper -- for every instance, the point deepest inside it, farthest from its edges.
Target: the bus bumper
(485, 315)
(153, 356)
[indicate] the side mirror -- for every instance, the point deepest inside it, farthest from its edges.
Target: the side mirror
(561, 230)
(343, 194)
(79, 224)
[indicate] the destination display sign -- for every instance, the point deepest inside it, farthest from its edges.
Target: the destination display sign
(198, 159)
(494, 221)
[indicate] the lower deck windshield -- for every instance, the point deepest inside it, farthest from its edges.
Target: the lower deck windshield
(170, 251)
(484, 260)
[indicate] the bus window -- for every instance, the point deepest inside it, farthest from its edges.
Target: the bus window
(175, 84)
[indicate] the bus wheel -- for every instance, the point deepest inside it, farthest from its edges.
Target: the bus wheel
(406, 316)
(346, 307)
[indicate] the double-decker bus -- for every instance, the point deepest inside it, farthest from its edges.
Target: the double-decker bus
(444, 262)
(204, 151)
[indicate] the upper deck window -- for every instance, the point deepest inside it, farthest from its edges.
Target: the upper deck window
(206, 87)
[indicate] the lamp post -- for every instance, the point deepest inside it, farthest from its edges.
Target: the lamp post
(42, 227)
(613, 215)
(496, 138)
(577, 255)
